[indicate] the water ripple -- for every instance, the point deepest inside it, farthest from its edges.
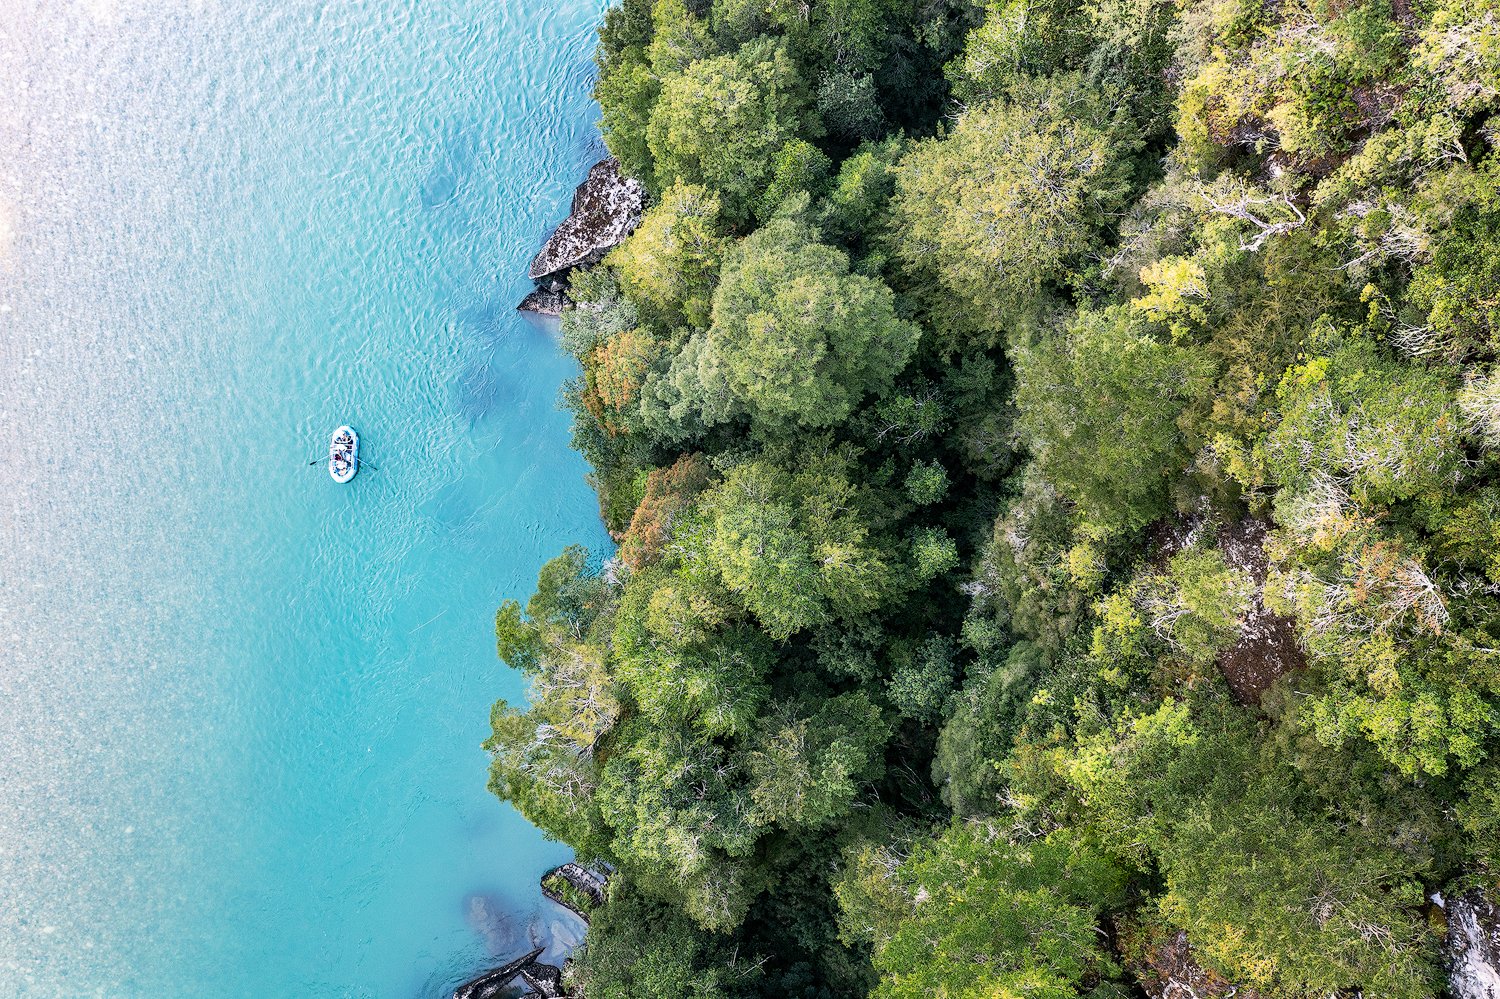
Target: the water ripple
(241, 705)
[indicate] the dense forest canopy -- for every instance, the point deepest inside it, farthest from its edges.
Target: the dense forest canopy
(1054, 449)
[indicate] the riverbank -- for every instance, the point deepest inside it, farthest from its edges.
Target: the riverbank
(542, 970)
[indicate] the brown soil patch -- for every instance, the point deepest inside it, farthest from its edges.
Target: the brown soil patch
(1267, 648)
(1169, 536)
(1164, 967)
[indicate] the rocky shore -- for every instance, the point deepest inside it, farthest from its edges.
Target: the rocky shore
(575, 888)
(607, 207)
(540, 978)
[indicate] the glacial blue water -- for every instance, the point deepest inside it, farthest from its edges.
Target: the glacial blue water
(241, 705)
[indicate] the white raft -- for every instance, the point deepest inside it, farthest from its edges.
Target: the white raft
(343, 454)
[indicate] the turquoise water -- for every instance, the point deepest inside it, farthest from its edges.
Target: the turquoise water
(240, 705)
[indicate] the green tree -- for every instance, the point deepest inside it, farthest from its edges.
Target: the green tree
(721, 120)
(1275, 889)
(797, 341)
(791, 544)
(1389, 429)
(922, 683)
(849, 106)
(679, 662)
(627, 92)
(543, 756)
(799, 168)
(933, 552)
(1021, 187)
(807, 768)
(1197, 606)
(1099, 408)
(1019, 39)
(1452, 288)
(984, 917)
(642, 948)
(679, 38)
(982, 721)
(856, 205)
(671, 261)
(927, 482)
(1021, 586)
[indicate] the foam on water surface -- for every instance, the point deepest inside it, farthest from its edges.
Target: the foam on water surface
(240, 705)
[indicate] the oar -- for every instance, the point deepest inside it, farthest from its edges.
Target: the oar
(373, 467)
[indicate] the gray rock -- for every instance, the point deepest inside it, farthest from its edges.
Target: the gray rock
(543, 979)
(1472, 947)
(544, 302)
(495, 984)
(606, 208)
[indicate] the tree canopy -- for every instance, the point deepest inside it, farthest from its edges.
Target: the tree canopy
(796, 342)
(1054, 456)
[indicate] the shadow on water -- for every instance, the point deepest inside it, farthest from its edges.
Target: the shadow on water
(488, 383)
(455, 162)
(486, 321)
(480, 390)
(499, 931)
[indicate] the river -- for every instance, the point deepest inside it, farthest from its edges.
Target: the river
(241, 706)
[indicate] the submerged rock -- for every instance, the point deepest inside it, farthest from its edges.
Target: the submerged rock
(1472, 947)
(606, 208)
(489, 920)
(553, 941)
(562, 932)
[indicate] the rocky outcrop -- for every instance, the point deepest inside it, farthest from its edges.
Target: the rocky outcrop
(540, 979)
(606, 208)
(1267, 648)
(1472, 947)
(545, 301)
(576, 888)
(543, 979)
(590, 882)
(496, 983)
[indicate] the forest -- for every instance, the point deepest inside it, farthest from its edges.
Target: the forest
(1054, 453)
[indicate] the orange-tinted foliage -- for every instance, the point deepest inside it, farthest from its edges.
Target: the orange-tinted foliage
(668, 491)
(619, 368)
